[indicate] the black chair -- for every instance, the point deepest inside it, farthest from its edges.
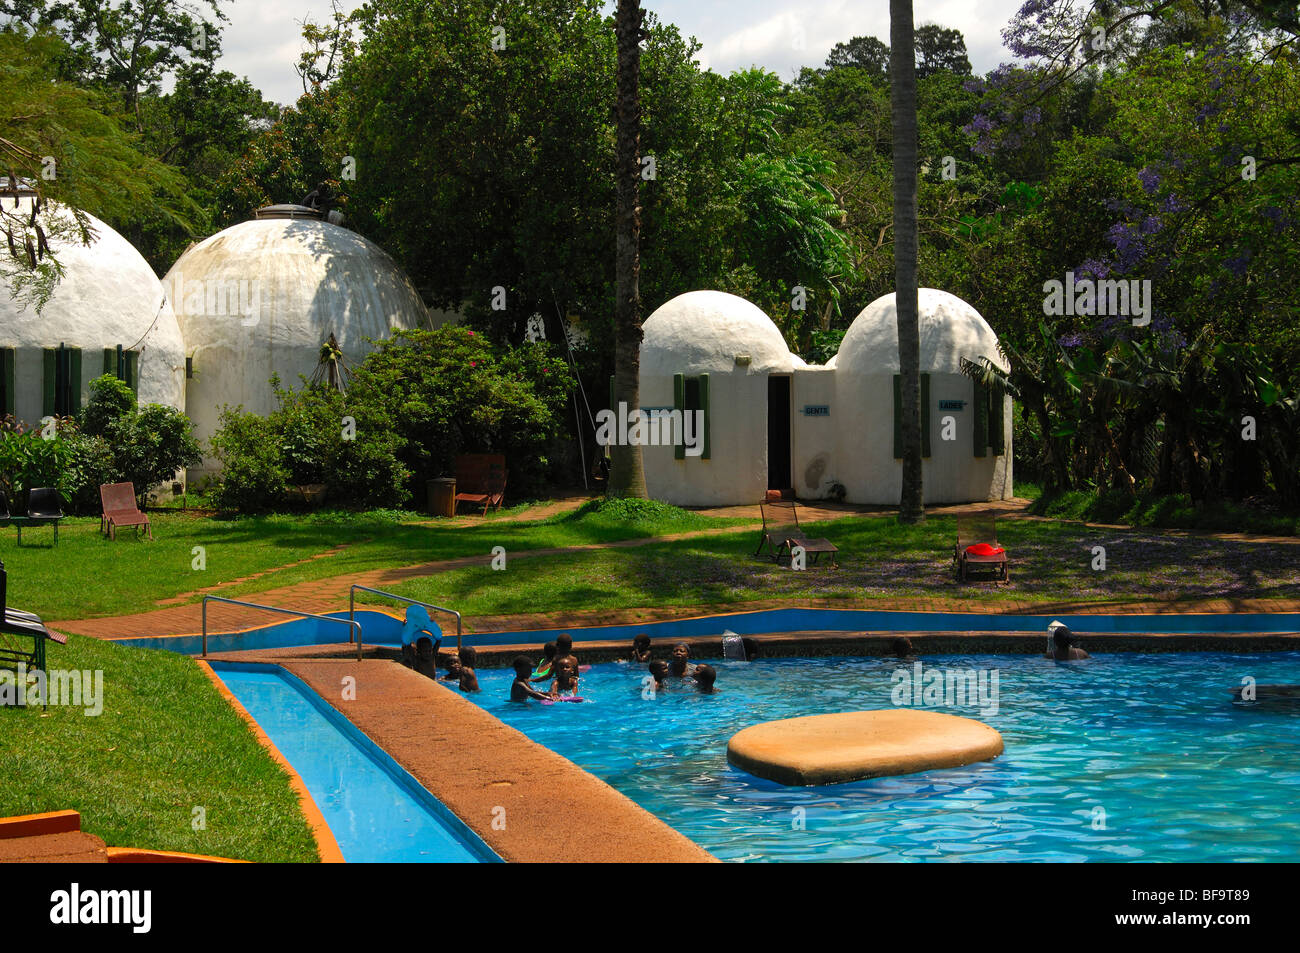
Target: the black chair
(18, 622)
(44, 505)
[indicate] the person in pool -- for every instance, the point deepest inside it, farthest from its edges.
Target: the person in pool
(705, 676)
(453, 668)
(659, 671)
(641, 648)
(1063, 649)
(566, 676)
(418, 633)
(546, 667)
(901, 647)
(564, 648)
(520, 690)
(679, 666)
(468, 680)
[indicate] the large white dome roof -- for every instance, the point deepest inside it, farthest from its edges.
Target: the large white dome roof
(108, 296)
(704, 331)
(950, 329)
(312, 279)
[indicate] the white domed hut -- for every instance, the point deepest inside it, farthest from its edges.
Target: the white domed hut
(716, 353)
(773, 422)
(107, 314)
(264, 296)
(965, 432)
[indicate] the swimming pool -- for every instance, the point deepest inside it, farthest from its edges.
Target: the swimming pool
(376, 811)
(1126, 757)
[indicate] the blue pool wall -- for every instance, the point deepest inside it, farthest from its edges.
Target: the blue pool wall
(386, 762)
(380, 628)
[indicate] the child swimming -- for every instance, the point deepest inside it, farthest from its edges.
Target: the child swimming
(546, 667)
(520, 690)
(641, 648)
(468, 680)
(453, 669)
(566, 676)
(705, 676)
(659, 671)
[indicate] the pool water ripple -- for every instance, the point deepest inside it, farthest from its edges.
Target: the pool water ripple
(1125, 757)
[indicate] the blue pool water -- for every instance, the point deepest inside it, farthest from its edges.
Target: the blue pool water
(1125, 757)
(376, 811)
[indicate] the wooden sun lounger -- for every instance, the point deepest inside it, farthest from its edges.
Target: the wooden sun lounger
(481, 479)
(781, 533)
(119, 509)
(972, 530)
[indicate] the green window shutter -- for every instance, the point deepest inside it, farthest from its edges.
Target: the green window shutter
(74, 380)
(110, 361)
(9, 404)
(997, 439)
(51, 372)
(981, 423)
(133, 370)
(704, 406)
(679, 403)
(925, 415)
(898, 416)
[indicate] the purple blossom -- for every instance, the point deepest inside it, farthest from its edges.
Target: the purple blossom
(1128, 243)
(1150, 180)
(1093, 268)
(1239, 263)
(1151, 224)
(1032, 117)
(1172, 203)
(1072, 340)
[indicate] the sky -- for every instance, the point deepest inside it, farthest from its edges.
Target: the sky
(263, 39)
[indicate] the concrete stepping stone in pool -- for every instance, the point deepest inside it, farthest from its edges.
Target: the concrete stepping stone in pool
(830, 749)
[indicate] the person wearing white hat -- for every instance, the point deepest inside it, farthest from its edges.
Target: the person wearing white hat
(1060, 644)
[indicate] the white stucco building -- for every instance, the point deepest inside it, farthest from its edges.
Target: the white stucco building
(263, 296)
(108, 300)
(774, 422)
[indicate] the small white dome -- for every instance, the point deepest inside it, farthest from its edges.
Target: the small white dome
(308, 278)
(704, 331)
(950, 329)
(108, 296)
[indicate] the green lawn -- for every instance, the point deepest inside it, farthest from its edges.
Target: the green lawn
(165, 743)
(87, 575)
(880, 560)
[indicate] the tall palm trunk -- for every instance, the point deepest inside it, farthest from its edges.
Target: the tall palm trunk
(902, 96)
(627, 475)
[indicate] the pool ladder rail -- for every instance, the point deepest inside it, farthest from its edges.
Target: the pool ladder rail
(354, 627)
(352, 596)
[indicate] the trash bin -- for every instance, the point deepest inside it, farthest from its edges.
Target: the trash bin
(442, 496)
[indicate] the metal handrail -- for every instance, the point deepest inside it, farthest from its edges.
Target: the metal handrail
(352, 595)
(349, 622)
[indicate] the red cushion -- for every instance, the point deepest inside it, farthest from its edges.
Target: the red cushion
(984, 549)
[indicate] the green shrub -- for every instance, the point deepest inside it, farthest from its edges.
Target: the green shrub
(253, 477)
(110, 400)
(71, 461)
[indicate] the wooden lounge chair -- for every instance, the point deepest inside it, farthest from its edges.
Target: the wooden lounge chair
(781, 533)
(481, 479)
(16, 623)
(119, 509)
(977, 548)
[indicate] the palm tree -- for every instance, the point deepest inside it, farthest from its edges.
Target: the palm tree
(627, 475)
(902, 95)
